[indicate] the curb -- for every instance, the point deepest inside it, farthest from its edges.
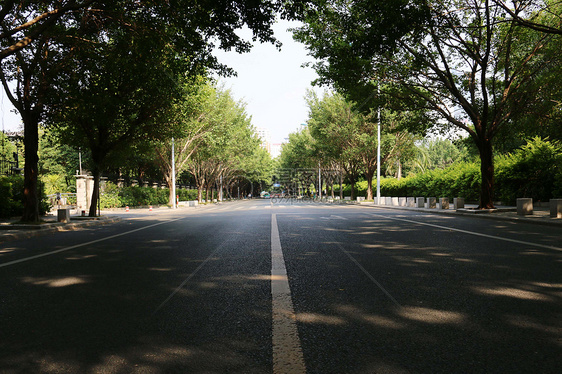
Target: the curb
(16, 232)
(493, 215)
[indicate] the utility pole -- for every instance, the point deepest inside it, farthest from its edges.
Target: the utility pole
(173, 175)
(378, 148)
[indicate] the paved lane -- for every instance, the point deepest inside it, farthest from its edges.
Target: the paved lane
(351, 289)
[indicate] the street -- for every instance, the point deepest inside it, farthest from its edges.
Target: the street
(282, 286)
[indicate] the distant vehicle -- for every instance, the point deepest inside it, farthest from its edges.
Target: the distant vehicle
(265, 195)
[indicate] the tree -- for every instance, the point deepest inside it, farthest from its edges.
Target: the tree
(460, 58)
(230, 138)
(530, 14)
(38, 38)
(191, 118)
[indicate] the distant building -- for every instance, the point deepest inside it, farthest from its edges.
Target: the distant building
(275, 149)
(265, 137)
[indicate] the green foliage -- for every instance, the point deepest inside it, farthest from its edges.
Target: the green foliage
(139, 196)
(459, 180)
(11, 196)
(534, 171)
(143, 196)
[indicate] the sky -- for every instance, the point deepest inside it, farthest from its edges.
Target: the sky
(272, 83)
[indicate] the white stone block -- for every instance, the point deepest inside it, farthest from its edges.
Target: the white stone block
(431, 202)
(458, 203)
(444, 202)
(63, 215)
(556, 208)
(524, 206)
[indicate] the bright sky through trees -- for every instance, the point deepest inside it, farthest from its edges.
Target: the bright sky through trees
(272, 82)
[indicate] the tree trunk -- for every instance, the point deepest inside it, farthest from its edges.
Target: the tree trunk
(169, 182)
(487, 173)
(31, 170)
(95, 192)
(369, 175)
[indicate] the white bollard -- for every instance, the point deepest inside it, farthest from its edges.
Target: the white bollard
(556, 208)
(524, 206)
(444, 202)
(458, 203)
(420, 202)
(432, 202)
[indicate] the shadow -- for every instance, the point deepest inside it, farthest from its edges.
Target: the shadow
(93, 309)
(467, 304)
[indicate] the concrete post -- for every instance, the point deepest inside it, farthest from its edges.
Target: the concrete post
(444, 202)
(420, 202)
(84, 189)
(556, 208)
(524, 206)
(411, 202)
(63, 215)
(432, 202)
(458, 203)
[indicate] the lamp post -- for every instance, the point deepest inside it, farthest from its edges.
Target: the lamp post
(378, 149)
(173, 175)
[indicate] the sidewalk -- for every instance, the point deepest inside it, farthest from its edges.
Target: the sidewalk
(541, 215)
(10, 229)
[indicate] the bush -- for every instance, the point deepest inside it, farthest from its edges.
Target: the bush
(11, 196)
(532, 171)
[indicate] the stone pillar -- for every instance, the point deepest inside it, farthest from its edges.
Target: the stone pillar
(120, 182)
(432, 202)
(388, 201)
(556, 208)
(458, 203)
(84, 189)
(402, 201)
(63, 215)
(394, 201)
(420, 202)
(524, 206)
(444, 202)
(411, 202)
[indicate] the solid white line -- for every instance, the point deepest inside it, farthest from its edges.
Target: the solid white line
(369, 276)
(472, 233)
(287, 350)
(84, 244)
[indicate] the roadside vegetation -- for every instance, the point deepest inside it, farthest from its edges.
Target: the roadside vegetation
(113, 88)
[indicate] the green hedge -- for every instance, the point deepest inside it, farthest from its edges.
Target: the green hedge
(533, 171)
(11, 197)
(114, 197)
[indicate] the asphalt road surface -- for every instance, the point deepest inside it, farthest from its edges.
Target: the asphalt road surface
(268, 286)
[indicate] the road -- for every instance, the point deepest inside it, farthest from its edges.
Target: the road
(285, 287)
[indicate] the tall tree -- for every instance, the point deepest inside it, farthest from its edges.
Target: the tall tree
(37, 39)
(461, 59)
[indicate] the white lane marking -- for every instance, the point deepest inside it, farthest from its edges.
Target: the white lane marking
(287, 350)
(84, 244)
(178, 288)
(369, 275)
(471, 232)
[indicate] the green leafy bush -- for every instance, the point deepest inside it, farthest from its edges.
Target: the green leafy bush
(532, 171)
(11, 196)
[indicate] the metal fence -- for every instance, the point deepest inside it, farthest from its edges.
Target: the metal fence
(9, 167)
